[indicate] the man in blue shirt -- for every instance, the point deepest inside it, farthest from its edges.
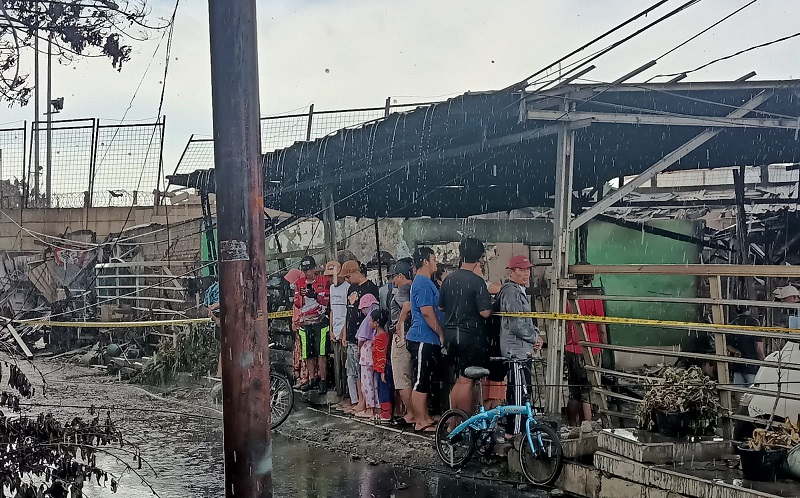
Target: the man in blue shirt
(425, 337)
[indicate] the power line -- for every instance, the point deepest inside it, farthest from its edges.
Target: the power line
(521, 84)
(735, 54)
(706, 30)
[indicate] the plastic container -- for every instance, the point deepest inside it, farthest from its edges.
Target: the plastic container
(674, 424)
(792, 467)
(761, 465)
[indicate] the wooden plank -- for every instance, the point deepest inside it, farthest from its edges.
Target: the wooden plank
(589, 360)
(685, 354)
(19, 341)
(721, 349)
(144, 263)
(692, 300)
(693, 269)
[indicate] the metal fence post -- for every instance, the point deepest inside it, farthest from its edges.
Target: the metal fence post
(93, 158)
(163, 126)
(310, 122)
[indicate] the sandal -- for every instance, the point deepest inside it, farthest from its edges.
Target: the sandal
(364, 414)
(400, 422)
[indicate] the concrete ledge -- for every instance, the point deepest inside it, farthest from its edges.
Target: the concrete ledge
(614, 487)
(580, 479)
(581, 447)
(576, 478)
(641, 446)
(615, 468)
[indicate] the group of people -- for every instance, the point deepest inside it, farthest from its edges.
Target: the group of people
(394, 346)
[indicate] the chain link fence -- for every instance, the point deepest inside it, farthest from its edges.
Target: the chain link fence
(117, 164)
(282, 131)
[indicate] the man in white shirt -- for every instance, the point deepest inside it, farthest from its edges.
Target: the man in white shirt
(338, 307)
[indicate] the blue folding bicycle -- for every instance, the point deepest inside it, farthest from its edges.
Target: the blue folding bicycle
(459, 435)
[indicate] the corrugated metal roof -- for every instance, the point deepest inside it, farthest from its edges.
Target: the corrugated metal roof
(438, 160)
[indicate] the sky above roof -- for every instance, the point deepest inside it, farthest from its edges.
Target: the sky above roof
(355, 53)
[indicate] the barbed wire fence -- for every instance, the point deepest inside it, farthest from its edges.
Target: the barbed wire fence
(92, 163)
(102, 165)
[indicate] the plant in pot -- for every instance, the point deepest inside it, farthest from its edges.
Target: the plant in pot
(679, 403)
(765, 452)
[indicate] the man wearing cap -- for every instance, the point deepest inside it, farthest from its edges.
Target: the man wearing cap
(787, 294)
(519, 337)
(312, 297)
(338, 305)
(359, 286)
(579, 407)
(400, 314)
(464, 298)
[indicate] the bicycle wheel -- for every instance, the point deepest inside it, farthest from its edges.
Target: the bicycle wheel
(542, 464)
(281, 399)
(454, 451)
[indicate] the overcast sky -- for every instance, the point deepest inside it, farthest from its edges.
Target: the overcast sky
(355, 53)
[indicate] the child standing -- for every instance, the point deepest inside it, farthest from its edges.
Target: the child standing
(366, 336)
(383, 369)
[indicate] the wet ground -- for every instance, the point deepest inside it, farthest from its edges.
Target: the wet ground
(181, 443)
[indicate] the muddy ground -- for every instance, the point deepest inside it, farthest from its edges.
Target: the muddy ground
(179, 431)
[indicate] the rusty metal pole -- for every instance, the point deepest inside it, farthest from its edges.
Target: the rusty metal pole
(242, 258)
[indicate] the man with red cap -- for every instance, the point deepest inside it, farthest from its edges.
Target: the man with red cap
(519, 337)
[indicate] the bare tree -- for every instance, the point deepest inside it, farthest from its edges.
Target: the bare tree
(76, 28)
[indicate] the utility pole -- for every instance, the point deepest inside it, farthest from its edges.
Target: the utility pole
(48, 180)
(242, 257)
(37, 117)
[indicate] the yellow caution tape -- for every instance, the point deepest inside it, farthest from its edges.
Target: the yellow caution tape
(536, 314)
(642, 321)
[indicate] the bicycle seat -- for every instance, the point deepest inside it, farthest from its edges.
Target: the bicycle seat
(475, 372)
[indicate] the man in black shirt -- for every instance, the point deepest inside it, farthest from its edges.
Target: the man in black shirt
(464, 298)
(359, 287)
(745, 346)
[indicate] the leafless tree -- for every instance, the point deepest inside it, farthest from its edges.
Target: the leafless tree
(76, 28)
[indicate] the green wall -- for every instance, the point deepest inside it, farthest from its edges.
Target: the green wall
(610, 244)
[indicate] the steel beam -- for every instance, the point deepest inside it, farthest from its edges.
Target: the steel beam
(693, 86)
(562, 212)
(666, 162)
(663, 120)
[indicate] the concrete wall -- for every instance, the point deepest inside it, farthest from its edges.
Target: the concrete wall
(103, 221)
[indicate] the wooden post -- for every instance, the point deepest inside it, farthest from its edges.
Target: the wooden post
(720, 346)
(247, 445)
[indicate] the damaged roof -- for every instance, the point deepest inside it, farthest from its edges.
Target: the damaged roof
(476, 153)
